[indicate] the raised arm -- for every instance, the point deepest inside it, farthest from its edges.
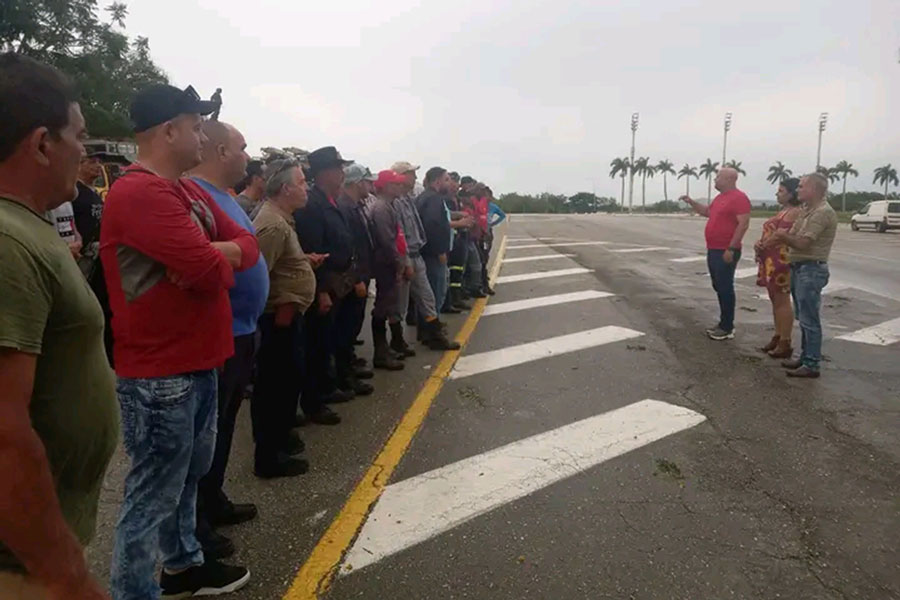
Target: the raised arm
(700, 209)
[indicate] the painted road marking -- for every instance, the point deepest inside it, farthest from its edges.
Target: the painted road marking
(538, 257)
(520, 247)
(746, 272)
(646, 249)
(883, 334)
(317, 573)
(416, 509)
(520, 239)
(492, 360)
(542, 275)
(508, 307)
(688, 259)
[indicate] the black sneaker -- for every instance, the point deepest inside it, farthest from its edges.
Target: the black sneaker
(293, 445)
(209, 579)
(215, 545)
(338, 396)
(282, 466)
(233, 514)
(363, 373)
(324, 416)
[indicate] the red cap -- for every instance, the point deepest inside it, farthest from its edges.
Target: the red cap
(387, 176)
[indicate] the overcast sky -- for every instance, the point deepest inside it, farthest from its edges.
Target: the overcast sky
(537, 95)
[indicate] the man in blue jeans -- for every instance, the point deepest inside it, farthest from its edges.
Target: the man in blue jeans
(728, 220)
(169, 254)
(809, 245)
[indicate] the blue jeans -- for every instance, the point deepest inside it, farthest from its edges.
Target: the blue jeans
(439, 278)
(169, 433)
(722, 275)
(807, 280)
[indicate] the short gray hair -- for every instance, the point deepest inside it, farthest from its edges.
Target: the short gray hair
(278, 174)
(820, 180)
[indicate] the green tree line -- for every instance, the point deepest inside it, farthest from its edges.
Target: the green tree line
(107, 66)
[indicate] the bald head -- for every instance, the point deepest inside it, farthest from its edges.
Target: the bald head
(224, 154)
(726, 179)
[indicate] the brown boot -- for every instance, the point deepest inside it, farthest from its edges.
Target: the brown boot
(782, 350)
(773, 343)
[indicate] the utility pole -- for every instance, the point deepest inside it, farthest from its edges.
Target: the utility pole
(725, 139)
(634, 127)
(823, 121)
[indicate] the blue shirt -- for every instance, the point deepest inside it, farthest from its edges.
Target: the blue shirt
(495, 211)
(251, 287)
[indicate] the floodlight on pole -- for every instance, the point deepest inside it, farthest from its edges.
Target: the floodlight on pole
(725, 138)
(635, 117)
(823, 121)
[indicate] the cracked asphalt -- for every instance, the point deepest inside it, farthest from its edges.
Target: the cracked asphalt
(789, 489)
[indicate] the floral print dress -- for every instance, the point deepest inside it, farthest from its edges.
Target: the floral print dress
(774, 271)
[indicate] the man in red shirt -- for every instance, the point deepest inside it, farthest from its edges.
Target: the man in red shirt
(169, 254)
(729, 218)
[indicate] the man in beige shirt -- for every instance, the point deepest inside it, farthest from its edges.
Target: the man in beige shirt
(809, 245)
(280, 362)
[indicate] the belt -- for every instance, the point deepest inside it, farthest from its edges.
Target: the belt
(809, 262)
(413, 254)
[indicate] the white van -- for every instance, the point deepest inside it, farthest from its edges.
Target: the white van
(881, 214)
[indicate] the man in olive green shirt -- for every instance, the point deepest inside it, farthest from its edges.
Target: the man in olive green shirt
(58, 411)
(809, 245)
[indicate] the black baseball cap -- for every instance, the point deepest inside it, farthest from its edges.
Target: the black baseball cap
(466, 180)
(159, 103)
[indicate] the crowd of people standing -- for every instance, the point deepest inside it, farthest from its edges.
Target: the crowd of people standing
(202, 276)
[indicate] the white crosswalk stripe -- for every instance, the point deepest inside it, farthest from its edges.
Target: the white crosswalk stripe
(883, 334)
(522, 259)
(417, 509)
(517, 305)
(688, 259)
(632, 250)
(483, 362)
(541, 275)
(523, 247)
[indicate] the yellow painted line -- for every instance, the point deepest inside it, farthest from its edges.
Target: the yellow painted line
(317, 573)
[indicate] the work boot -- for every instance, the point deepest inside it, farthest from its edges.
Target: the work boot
(773, 343)
(398, 344)
(449, 309)
(436, 338)
(383, 358)
(477, 294)
(349, 381)
(792, 364)
(781, 350)
(457, 301)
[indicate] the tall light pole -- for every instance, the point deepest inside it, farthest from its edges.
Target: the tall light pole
(634, 126)
(823, 121)
(725, 139)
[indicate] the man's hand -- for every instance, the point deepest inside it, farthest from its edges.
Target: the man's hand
(442, 258)
(316, 260)
(231, 251)
(779, 235)
(75, 249)
(686, 199)
(728, 256)
(325, 303)
(408, 273)
(468, 220)
(360, 289)
(284, 314)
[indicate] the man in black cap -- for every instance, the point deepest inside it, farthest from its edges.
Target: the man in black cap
(169, 254)
(323, 229)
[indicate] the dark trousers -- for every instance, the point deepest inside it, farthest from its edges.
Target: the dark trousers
(722, 275)
(361, 310)
(321, 345)
(279, 378)
(457, 261)
(386, 293)
(233, 381)
(348, 324)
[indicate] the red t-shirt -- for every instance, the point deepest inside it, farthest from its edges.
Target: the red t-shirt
(155, 230)
(723, 214)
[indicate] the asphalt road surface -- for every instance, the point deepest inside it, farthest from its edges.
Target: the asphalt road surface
(592, 443)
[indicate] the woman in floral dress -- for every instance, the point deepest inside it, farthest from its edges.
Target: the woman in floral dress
(774, 270)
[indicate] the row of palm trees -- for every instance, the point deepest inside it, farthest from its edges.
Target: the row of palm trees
(643, 168)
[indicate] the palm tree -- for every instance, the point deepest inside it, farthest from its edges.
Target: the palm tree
(620, 167)
(844, 169)
(708, 169)
(736, 165)
(643, 168)
(886, 175)
(688, 171)
(665, 167)
(828, 174)
(778, 173)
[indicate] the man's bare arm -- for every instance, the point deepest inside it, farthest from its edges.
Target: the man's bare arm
(700, 209)
(743, 226)
(31, 521)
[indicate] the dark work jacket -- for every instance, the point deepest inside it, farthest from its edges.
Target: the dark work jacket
(433, 213)
(323, 229)
(362, 237)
